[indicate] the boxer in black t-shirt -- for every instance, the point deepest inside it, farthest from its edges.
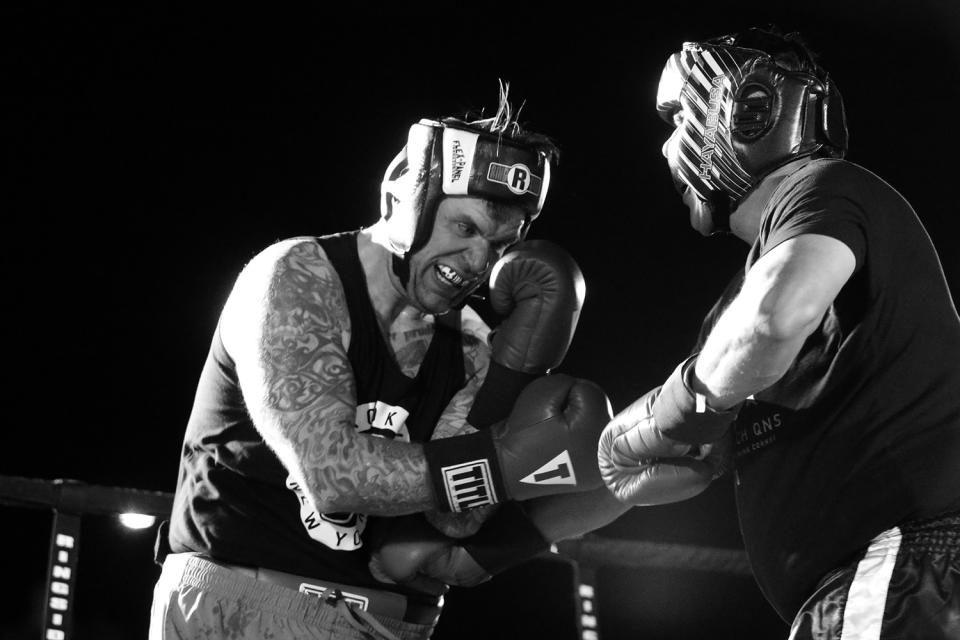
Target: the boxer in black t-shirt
(831, 366)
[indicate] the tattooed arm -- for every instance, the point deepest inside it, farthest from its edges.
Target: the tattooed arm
(287, 327)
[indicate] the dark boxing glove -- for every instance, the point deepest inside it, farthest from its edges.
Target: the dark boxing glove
(408, 551)
(540, 289)
(547, 445)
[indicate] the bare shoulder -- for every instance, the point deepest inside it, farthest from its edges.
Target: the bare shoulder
(292, 279)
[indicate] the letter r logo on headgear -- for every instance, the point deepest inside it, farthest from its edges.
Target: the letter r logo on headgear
(518, 179)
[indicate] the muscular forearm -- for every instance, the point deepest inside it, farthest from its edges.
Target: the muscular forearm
(744, 354)
(783, 299)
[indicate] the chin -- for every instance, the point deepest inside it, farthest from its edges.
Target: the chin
(430, 302)
(443, 305)
(702, 222)
(701, 215)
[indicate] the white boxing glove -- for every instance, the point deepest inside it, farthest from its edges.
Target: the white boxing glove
(642, 466)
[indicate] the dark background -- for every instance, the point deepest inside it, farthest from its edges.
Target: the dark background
(152, 150)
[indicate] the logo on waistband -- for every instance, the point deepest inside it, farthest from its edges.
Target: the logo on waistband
(361, 602)
(469, 485)
(518, 178)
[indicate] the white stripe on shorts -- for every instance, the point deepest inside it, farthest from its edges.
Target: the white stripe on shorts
(863, 614)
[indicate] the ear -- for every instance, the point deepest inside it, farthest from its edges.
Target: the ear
(752, 110)
(834, 118)
(774, 118)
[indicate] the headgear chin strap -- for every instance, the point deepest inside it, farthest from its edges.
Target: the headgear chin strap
(450, 158)
(744, 116)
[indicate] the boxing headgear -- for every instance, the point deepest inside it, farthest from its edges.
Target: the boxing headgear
(450, 158)
(744, 116)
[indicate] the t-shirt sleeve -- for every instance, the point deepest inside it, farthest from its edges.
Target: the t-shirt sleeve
(817, 204)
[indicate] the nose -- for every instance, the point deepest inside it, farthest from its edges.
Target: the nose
(480, 255)
(666, 148)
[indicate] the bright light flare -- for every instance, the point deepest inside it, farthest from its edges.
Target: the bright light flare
(136, 520)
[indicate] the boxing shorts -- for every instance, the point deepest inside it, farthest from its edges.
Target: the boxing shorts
(906, 584)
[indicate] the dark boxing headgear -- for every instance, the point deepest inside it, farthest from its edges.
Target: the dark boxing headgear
(745, 115)
(451, 158)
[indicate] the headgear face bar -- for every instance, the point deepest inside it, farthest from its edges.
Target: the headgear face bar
(450, 158)
(744, 116)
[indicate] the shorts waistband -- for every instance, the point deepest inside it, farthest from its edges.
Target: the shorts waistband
(378, 602)
(938, 534)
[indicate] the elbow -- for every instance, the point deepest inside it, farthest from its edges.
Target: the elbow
(324, 497)
(329, 506)
(334, 505)
(313, 495)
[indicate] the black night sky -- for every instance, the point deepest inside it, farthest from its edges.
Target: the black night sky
(153, 149)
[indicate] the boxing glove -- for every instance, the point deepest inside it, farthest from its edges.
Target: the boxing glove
(408, 551)
(540, 289)
(546, 445)
(682, 415)
(641, 465)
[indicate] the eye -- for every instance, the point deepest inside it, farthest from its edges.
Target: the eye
(466, 228)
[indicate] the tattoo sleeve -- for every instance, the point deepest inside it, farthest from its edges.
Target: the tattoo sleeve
(309, 398)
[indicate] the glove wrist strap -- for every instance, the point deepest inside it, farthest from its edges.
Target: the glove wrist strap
(507, 539)
(679, 414)
(465, 471)
(497, 394)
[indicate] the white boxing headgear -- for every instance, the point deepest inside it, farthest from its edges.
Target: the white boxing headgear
(452, 158)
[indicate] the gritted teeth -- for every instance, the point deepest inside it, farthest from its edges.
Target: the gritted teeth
(450, 275)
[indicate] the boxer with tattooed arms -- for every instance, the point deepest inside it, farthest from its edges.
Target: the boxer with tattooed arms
(360, 437)
(831, 364)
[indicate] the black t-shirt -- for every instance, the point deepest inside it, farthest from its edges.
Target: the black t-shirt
(234, 499)
(863, 431)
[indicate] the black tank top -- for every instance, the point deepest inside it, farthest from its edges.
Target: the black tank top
(234, 500)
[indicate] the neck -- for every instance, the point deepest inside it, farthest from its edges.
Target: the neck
(387, 295)
(746, 219)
